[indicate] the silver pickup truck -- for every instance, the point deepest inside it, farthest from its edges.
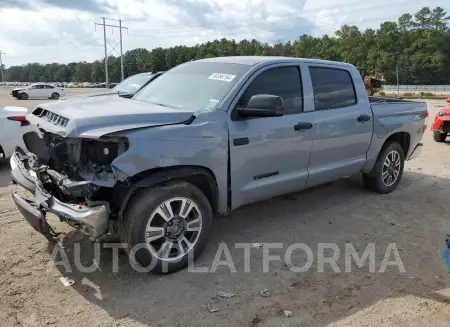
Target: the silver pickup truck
(206, 138)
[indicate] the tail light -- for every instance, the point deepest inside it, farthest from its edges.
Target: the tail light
(426, 121)
(23, 121)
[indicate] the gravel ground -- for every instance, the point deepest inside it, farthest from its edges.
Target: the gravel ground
(414, 217)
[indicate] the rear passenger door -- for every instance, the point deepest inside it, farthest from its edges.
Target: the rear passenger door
(343, 125)
(269, 156)
(47, 91)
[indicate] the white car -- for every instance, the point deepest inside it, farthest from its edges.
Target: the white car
(38, 91)
(13, 124)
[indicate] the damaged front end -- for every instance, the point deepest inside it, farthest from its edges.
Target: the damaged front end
(70, 177)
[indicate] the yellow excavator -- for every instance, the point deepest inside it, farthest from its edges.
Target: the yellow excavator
(373, 83)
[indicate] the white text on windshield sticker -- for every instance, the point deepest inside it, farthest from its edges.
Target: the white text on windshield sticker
(222, 77)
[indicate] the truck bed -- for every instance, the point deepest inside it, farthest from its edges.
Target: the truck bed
(388, 99)
(393, 116)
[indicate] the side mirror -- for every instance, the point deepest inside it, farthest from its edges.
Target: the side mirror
(263, 105)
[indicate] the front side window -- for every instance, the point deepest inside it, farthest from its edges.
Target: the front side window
(284, 82)
(198, 86)
(333, 88)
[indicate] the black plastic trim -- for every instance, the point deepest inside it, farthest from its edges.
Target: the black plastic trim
(241, 141)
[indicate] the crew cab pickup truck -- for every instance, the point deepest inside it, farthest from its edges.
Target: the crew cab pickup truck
(206, 138)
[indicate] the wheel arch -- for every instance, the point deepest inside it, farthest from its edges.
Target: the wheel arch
(403, 138)
(199, 176)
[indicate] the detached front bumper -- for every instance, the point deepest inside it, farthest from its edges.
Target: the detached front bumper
(92, 221)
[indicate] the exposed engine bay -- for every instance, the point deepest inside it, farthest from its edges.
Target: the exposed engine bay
(75, 170)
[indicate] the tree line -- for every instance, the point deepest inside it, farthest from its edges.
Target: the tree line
(418, 45)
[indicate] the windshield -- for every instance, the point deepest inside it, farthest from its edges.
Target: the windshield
(132, 84)
(194, 85)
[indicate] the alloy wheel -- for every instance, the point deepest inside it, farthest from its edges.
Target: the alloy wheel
(173, 228)
(391, 168)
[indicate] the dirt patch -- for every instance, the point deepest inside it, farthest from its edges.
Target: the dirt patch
(414, 217)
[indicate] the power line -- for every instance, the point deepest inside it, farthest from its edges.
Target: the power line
(50, 56)
(113, 48)
(295, 14)
(385, 18)
(263, 21)
(349, 22)
(249, 24)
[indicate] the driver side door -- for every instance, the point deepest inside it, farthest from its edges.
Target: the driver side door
(33, 91)
(269, 156)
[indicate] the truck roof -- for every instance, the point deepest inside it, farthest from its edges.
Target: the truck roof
(254, 60)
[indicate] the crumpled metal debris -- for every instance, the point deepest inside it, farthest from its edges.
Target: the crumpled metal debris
(225, 295)
(287, 313)
(210, 304)
(67, 281)
(264, 293)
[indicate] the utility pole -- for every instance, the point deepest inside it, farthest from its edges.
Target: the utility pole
(113, 48)
(106, 53)
(121, 53)
(1, 64)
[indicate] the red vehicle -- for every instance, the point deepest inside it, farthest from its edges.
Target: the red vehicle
(441, 124)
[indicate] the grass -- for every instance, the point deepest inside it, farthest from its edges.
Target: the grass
(419, 95)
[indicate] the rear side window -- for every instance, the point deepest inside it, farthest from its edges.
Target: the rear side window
(284, 82)
(333, 88)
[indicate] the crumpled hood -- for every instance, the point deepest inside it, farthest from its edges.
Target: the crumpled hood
(98, 116)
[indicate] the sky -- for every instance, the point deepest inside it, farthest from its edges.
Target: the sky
(63, 31)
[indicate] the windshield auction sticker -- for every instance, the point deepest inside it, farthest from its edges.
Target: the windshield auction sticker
(222, 77)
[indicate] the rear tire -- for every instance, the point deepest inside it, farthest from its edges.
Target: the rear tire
(439, 137)
(24, 96)
(387, 171)
(55, 96)
(166, 240)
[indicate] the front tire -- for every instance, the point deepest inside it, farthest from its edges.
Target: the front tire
(167, 227)
(439, 137)
(387, 171)
(24, 96)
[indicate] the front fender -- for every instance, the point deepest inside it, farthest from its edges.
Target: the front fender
(202, 143)
(123, 192)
